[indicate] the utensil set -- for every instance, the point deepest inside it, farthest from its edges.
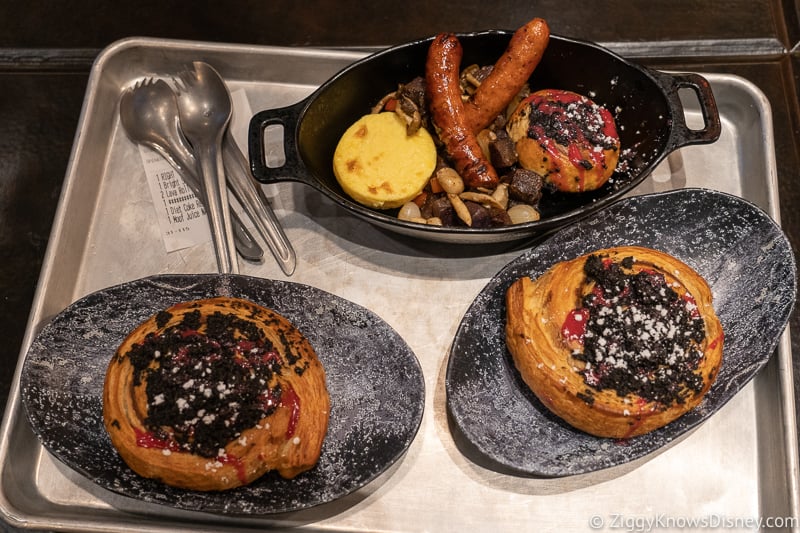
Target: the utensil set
(188, 127)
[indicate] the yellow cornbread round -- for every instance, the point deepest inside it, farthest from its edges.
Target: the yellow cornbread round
(379, 165)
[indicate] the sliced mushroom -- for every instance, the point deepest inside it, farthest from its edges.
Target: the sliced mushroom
(500, 194)
(485, 139)
(481, 198)
(469, 79)
(461, 210)
(377, 108)
(411, 99)
(473, 75)
(409, 112)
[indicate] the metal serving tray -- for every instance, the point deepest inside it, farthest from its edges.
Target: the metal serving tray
(742, 464)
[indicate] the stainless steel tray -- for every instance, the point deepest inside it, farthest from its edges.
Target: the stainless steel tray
(741, 465)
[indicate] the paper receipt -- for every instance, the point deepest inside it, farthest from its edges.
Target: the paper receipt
(181, 216)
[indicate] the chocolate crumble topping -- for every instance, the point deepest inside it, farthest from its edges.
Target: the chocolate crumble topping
(162, 318)
(641, 336)
(203, 390)
(567, 122)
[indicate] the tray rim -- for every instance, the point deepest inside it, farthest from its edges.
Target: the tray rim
(14, 409)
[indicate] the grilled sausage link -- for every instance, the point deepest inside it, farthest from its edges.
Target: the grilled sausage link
(442, 85)
(510, 73)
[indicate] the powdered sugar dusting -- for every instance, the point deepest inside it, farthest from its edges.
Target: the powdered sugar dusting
(734, 245)
(368, 367)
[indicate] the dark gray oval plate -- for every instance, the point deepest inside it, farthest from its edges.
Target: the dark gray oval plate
(368, 368)
(735, 246)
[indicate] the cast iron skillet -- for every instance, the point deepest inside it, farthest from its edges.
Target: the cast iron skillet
(649, 114)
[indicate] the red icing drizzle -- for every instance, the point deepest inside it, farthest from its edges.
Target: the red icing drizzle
(574, 327)
(187, 332)
(236, 463)
(244, 345)
(632, 429)
(290, 399)
(250, 354)
(600, 298)
(713, 344)
(146, 439)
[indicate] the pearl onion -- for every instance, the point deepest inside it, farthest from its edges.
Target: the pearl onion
(522, 213)
(409, 211)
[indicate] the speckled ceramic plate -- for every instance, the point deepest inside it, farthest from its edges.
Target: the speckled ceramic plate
(735, 246)
(368, 368)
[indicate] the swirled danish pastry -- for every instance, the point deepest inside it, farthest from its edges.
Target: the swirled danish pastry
(617, 342)
(211, 394)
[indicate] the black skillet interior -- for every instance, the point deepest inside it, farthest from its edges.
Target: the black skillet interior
(645, 104)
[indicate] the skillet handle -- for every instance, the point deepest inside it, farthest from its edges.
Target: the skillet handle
(293, 168)
(681, 134)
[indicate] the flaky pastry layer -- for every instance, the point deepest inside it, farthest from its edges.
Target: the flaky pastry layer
(536, 313)
(288, 440)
